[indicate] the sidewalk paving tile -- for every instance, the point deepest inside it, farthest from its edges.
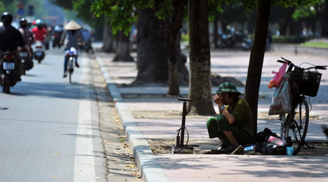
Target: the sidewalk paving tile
(187, 167)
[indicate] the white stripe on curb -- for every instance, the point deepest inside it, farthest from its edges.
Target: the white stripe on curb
(84, 165)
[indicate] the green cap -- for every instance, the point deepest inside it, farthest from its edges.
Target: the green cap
(227, 87)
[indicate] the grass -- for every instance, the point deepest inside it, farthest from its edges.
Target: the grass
(184, 37)
(321, 43)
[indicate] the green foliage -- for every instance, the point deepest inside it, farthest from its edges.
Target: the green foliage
(166, 9)
(291, 39)
(304, 12)
(10, 6)
(122, 13)
(81, 11)
(2, 7)
(250, 4)
(215, 6)
(64, 3)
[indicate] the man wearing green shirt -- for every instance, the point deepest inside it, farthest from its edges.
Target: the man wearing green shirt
(234, 125)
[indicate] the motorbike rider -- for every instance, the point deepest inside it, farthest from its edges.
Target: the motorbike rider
(73, 37)
(10, 39)
(27, 35)
(87, 39)
(40, 33)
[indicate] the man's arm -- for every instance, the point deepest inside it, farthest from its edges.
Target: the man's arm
(20, 39)
(63, 37)
(80, 38)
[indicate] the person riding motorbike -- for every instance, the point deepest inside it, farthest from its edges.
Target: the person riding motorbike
(74, 39)
(27, 35)
(10, 40)
(87, 39)
(40, 33)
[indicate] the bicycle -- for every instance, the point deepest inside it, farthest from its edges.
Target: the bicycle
(72, 56)
(303, 84)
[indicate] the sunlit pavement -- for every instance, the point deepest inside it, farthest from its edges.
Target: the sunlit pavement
(199, 167)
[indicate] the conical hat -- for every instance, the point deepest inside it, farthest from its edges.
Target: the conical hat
(72, 25)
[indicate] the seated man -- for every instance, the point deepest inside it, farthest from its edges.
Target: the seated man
(234, 125)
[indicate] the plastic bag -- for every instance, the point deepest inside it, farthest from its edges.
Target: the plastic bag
(276, 80)
(281, 100)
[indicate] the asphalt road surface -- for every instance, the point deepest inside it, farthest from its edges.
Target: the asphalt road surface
(49, 128)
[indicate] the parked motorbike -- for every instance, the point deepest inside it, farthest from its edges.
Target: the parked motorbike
(27, 62)
(39, 51)
(58, 31)
(87, 47)
(8, 71)
(235, 40)
(72, 56)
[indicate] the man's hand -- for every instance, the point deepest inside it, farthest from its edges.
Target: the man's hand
(218, 100)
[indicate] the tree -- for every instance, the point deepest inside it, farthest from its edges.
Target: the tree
(256, 58)
(257, 52)
(82, 8)
(154, 37)
(322, 12)
(11, 6)
(108, 37)
(200, 86)
(173, 46)
(151, 53)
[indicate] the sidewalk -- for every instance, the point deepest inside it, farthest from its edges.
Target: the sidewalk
(200, 167)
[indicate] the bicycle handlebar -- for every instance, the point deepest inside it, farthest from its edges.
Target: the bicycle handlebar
(319, 67)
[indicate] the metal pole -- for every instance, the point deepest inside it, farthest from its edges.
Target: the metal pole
(183, 126)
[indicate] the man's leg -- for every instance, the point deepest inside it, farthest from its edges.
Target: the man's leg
(65, 66)
(19, 65)
(231, 138)
(214, 131)
(76, 64)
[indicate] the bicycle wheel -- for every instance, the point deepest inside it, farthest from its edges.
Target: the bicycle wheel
(296, 127)
(300, 125)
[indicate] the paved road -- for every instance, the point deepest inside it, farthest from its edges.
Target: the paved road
(49, 128)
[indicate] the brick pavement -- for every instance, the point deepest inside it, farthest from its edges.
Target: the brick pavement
(211, 167)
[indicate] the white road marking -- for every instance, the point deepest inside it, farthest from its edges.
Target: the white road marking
(84, 167)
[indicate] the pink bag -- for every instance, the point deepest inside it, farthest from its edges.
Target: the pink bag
(276, 80)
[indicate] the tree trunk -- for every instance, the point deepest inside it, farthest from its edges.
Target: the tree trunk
(123, 48)
(322, 14)
(325, 20)
(152, 61)
(200, 86)
(173, 46)
(256, 58)
(108, 41)
(288, 12)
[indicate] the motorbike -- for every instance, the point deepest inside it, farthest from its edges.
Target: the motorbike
(39, 51)
(87, 47)
(235, 40)
(72, 55)
(27, 62)
(8, 71)
(58, 31)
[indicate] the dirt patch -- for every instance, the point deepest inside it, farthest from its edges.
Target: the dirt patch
(160, 146)
(167, 147)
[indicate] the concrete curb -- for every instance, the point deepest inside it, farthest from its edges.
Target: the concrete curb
(151, 170)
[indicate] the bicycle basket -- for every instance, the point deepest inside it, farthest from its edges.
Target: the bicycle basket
(311, 82)
(308, 81)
